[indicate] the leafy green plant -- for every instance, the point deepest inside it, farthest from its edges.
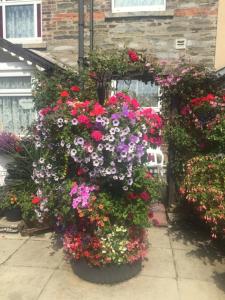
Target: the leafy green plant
(203, 189)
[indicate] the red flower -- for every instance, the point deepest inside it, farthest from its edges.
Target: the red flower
(75, 88)
(132, 196)
(64, 94)
(80, 171)
(133, 55)
(97, 135)
(86, 253)
(145, 196)
(36, 200)
(18, 149)
(82, 119)
(135, 104)
(97, 110)
(112, 100)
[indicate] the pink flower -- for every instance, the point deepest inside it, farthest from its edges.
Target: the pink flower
(131, 115)
(45, 111)
(185, 110)
(112, 100)
(97, 135)
(135, 104)
(82, 119)
(73, 112)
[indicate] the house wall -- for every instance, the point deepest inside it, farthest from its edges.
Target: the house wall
(155, 32)
(220, 41)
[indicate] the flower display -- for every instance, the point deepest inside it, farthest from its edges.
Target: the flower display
(107, 142)
(203, 189)
(91, 161)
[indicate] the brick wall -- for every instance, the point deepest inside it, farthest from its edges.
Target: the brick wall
(152, 31)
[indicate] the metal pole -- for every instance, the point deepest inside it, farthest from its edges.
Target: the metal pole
(91, 25)
(81, 33)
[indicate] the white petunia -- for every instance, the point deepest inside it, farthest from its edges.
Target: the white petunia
(73, 152)
(74, 121)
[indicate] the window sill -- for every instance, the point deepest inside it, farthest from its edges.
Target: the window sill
(139, 15)
(39, 45)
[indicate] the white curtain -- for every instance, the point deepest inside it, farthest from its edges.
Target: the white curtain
(146, 94)
(13, 116)
(20, 21)
(130, 3)
(15, 82)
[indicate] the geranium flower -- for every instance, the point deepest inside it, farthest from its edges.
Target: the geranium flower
(36, 200)
(75, 88)
(133, 55)
(97, 135)
(98, 110)
(145, 196)
(64, 94)
(82, 119)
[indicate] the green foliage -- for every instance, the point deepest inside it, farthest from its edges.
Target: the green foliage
(203, 187)
(47, 87)
(19, 184)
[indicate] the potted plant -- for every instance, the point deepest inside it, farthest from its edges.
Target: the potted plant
(10, 206)
(91, 180)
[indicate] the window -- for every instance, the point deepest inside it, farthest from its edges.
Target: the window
(146, 94)
(138, 5)
(20, 20)
(16, 104)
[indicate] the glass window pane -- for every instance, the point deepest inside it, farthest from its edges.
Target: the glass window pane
(146, 94)
(16, 113)
(137, 3)
(19, 21)
(15, 82)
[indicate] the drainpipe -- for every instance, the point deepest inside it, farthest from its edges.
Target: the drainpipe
(91, 25)
(81, 34)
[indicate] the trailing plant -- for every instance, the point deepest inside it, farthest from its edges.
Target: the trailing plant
(203, 189)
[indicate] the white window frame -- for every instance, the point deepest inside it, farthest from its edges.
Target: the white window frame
(14, 69)
(35, 39)
(155, 108)
(138, 8)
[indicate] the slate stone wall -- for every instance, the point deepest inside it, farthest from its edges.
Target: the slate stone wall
(155, 32)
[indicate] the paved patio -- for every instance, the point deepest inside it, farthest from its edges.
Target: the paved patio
(180, 266)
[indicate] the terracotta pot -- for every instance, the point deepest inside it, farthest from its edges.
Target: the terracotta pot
(107, 274)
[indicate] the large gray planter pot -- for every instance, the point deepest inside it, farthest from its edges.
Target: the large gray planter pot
(108, 274)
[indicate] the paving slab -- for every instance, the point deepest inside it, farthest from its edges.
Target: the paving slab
(13, 236)
(199, 290)
(8, 247)
(159, 264)
(197, 265)
(158, 237)
(37, 254)
(186, 239)
(21, 283)
(67, 286)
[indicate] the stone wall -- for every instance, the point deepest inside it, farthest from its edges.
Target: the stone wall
(155, 32)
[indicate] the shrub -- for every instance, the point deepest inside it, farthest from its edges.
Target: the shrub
(203, 188)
